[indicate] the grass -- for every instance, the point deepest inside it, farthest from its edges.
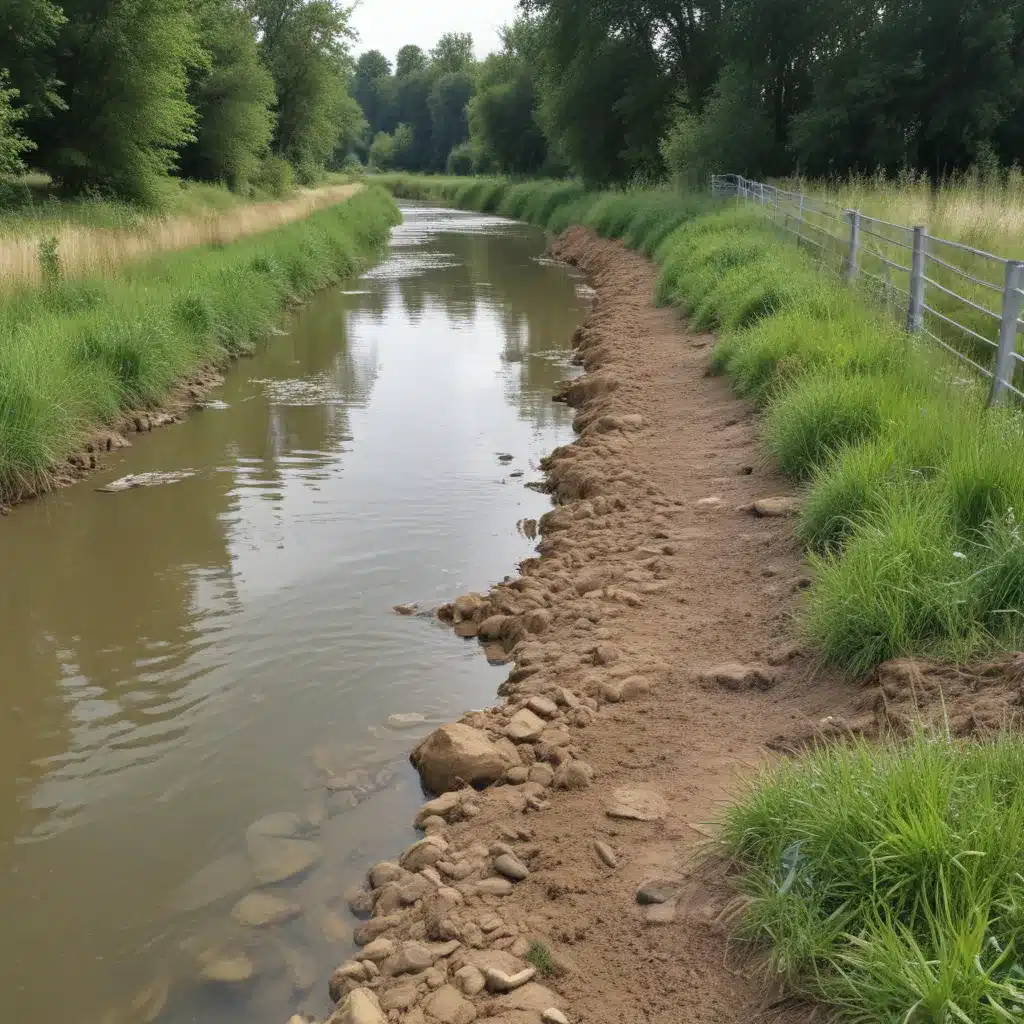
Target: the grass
(539, 955)
(94, 237)
(888, 881)
(74, 353)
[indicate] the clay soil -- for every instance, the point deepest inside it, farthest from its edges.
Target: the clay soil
(666, 604)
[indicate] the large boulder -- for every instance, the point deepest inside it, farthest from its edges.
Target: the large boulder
(456, 755)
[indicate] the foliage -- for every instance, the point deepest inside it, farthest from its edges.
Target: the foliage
(13, 144)
(30, 28)
(305, 46)
(453, 54)
(887, 881)
(461, 160)
(449, 126)
(73, 354)
(124, 72)
(233, 96)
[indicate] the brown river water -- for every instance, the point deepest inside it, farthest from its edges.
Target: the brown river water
(178, 662)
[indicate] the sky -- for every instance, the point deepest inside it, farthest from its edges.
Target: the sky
(387, 25)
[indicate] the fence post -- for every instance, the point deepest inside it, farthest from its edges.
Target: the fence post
(1007, 331)
(850, 266)
(915, 292)
(800, 220)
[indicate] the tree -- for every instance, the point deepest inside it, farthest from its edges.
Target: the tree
(452, 54)
(28, 31)
(13, 145)
(504, 126)
(412, 110)
(373, 89)
(124, 65)
(449, 124)
(409, 60)
(304, 44)
(233, 94)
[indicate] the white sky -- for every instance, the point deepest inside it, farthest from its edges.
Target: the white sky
(387, 25)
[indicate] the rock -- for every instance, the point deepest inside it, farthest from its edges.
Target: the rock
(660, 913)
(634, 687)
(606, 853)
(508, 750)
(406, 720)
(537, 621)
(154, 479)
(401, 997)
(543, 706)
(498, 981)
(229, 969)
(447, 805)
(657, 890)
(553, 1016)
(423, 854)
(457, 755)
(417, 888)
(532, 997)
(611, 691)
(334, 927)
(405, 609)
(411, 958)
(494, 887)
(511, 867)
(448, 1006)
(525, 727)
(637, 804)
(470, 980)
(359, 900)
(279, 825)
(384, 872)
(567, 698)
(573, 774)
(606, 654)
(778, 506)
(300, 967)
(466, 606)
(379, 949)
(434, 826)
(360, 1007)
(734, 676)
(542, 774)
(276, 860)
(350, 970)
(367, 931)
(517, 776)
(263, 910)
(493, 627)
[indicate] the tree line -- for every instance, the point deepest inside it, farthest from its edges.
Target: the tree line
(619, 90)
(113, 96)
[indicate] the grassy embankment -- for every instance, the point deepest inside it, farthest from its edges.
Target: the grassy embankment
(95, 236)
(887, 880)
(75, 353)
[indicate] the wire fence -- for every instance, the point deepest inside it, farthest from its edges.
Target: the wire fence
(965, 300)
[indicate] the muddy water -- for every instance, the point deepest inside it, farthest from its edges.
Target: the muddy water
(178, 662)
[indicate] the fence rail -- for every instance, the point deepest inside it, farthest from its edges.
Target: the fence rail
(965, 300)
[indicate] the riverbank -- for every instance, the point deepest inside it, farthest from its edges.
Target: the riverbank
(83, 361)
(620, 730)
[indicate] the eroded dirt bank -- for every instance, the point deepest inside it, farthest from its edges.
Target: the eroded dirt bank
(654, 663)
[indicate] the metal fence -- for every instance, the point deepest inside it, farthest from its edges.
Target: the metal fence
(963, 299)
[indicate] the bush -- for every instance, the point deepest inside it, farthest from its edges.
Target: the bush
(275, 177)
(460, 160)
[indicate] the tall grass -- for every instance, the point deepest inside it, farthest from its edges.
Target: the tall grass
(94, 238)
(889, 881)
(74, 353)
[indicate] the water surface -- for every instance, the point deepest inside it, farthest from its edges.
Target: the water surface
(177, 662)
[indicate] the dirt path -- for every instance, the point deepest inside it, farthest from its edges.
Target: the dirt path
(653, 571)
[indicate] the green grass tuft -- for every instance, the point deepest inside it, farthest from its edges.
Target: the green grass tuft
(888, 882)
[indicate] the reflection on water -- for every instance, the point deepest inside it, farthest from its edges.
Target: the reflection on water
(179, 661)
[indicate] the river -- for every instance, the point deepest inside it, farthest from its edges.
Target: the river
(180, 661)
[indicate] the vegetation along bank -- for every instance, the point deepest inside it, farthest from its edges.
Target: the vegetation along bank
(874, 876)
(80, 358)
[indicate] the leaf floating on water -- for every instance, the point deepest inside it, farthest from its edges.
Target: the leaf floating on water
(154, 479)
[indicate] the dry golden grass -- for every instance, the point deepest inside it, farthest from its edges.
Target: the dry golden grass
(986, 214)
(85, 251)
